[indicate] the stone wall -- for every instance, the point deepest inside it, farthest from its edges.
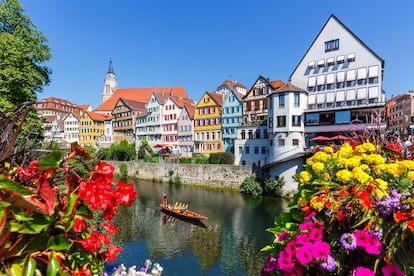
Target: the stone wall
(221, 176)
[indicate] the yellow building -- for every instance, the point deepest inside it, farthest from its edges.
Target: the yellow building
(91, 128)
(207, 124)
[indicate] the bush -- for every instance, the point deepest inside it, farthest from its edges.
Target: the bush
(186, 160)
(201, 160)
(123, 170)
(251, 186)
(221, 158)
(273, 187)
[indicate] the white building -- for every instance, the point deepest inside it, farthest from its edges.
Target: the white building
(110, 83)
(343, 77)
(71, 129)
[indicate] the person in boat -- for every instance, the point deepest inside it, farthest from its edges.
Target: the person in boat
(164, 200)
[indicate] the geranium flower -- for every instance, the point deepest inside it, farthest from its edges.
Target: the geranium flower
(79, 225)
(111, 253)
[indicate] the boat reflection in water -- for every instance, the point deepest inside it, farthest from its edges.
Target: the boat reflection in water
(228, 243)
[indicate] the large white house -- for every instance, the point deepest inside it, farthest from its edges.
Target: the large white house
(343, 78)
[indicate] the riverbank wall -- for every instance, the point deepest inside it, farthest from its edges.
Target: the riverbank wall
(218, 176)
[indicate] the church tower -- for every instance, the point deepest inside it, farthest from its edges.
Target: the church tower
(110, 83)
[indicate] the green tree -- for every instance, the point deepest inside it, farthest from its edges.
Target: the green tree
(251, 186)
(23, 54)
(22, 66)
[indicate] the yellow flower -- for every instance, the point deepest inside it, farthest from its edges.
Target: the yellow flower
(317, 203)
(381, 187)
(328, 149)
(326, 176)
(395, 169)
(345, 150)
(320, 156)
(304, 177)
(359, 175)
(375, 159)
(407, 164)
(365, 168)
(410, 175)
(378, 169)
(318, 167)
(365, 147)
(344, 175)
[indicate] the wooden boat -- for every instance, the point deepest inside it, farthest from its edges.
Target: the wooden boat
(181, 212)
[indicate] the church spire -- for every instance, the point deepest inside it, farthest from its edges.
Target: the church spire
(111, 69)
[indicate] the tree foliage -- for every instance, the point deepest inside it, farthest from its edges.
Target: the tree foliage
(23, 54)
(221, 158)
(251, 186)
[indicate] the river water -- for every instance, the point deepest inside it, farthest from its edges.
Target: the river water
(228, 243)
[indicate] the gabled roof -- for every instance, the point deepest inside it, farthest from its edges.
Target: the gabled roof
(190, 110)
(85, 107)
(288, 87)
(139, 95)
(218, 98)
(77, 116)
(181, 102)
(133, 105)
(232, 85)
(333, 17)
(162, 98)
(96, 116)
(275, 84)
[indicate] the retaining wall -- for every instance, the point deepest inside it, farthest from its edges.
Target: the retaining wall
(221, 176)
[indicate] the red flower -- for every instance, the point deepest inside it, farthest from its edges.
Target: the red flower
(126, 193)
(410, 225)
(110, 228)
(400, 216)
(365, 199)
(79, 225)
(93, 243)
(111, 252)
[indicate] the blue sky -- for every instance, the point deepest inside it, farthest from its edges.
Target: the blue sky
(199, 44)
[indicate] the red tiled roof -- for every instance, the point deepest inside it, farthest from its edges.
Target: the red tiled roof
(139, 95)
(288, 87)
(134, 105)
(277, 83)
(190, 110)
(97, 116)
(218, 98)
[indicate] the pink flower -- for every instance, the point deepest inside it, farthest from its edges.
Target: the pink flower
(362, 238)
(304, 254)
(301, 239)
(283, 236)
(321, 250)
(374, 246)
(285, 261)
(363, 271)
(315, 235)
(291, 248)
(392, 270)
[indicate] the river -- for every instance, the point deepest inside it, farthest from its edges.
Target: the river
(227, 243)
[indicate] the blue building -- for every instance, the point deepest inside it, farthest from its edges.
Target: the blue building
(231, 117)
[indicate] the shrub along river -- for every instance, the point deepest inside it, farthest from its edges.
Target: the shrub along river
(228, 243)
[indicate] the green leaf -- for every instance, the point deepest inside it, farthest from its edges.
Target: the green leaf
(37, 225)
(11, 186)
(16, 269)
(51, 160)
(21, 215)
(72, 200)
(29, 266)
(58, 243)
(53, 265)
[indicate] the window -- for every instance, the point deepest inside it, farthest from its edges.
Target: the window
(240, 150)
(250, 134)
(281, 142)
(247, 150)
(281, 121)
(295, 142)
(332, 45)
(206, 99)
(243, 134)
(282, 99)
(311, 119)
(296, 99)
(296, 120)
(256, 150)
(342, 117)
(270, 122)
(263, 150)
(257, 133)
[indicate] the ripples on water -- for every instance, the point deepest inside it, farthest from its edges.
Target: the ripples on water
(228, 243)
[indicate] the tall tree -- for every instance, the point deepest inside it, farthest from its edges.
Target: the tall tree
(23, 54)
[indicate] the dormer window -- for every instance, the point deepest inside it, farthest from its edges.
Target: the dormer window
(340, 59)
(332, 45)
(330, 61)
(350, 57)
(321, 63)
(311, 65)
